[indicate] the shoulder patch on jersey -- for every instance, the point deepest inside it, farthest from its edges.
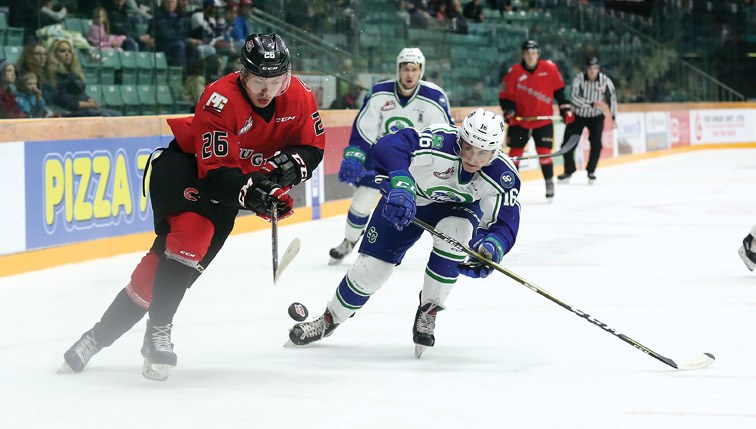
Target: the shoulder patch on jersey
(215, 103)
(437, 141)
(507, 180)
(390, 105)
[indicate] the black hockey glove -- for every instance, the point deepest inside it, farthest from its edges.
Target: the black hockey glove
(263, 196)
(285, 169)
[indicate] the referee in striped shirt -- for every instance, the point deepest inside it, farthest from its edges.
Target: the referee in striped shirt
(594, 97)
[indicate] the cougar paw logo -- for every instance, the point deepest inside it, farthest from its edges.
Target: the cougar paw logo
(372, 235)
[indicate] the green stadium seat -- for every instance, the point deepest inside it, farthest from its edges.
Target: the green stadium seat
(131, 104)
(161, 68)
(164, 99)
(95, 92)
(111, 96)
(145, 62)
(175, 77)
(128, 63)
(12, 53)
(148, 99)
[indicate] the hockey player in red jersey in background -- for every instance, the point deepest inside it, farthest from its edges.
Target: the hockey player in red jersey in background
(255, 133)
(528, 90)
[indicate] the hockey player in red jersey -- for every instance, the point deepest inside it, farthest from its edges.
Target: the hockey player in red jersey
(528, 90)
(255, 133)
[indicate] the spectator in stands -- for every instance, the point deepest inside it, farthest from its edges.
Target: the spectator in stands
(456, 19)
(29, 96)
(51, 15)
(172, 33)
(206, 27)
(8, 106)
(33, 59)
(473, 11)
(67, 80)
(238, 27)
(440, 13)
(99, 35)
(122, 24)
(348, 100)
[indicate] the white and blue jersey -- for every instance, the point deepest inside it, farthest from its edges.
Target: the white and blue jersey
(385, 111)
(488, 197)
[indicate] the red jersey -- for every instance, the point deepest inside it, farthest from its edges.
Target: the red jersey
(228, 132)
(532, 91)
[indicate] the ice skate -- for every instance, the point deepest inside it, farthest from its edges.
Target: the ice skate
(307, 332)
(339, 252)
(591, 179)
(748, 257)
(549, 190)
(157, 351)
(422, 330)
(77, 357)
(564, 178)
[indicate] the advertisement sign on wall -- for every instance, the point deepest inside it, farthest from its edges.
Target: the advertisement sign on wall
(722, 126)
(86, 189)
(657, 131)
(13, 213)
(679, 128)
(631, 133)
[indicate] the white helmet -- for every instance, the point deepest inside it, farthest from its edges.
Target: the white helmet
(483, 129)
(410, 55)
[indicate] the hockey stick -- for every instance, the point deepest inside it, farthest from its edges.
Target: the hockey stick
(568, 146)
(538, 118)
(701, 361)
(287, 257)
(274, 241)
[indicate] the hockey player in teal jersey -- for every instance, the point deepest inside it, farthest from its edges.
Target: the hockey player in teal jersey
(407, 101)
(453, 178)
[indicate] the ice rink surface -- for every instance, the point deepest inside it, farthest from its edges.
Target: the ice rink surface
(651, 250)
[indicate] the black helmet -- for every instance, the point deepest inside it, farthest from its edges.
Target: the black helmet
(529, 44)
(592, 61)
(265, 55)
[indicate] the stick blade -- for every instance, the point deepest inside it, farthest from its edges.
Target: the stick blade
(289, 254)
(701, 361)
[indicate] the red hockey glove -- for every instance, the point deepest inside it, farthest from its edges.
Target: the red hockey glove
(285, 169)
(567, 114)
(263, 196)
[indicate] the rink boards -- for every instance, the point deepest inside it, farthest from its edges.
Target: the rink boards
(74, 187)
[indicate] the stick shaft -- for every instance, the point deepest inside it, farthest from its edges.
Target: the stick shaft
(566, 147)
(274, 241)
(544, 293)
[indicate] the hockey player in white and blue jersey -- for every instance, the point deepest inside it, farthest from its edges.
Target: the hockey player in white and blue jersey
(391, 105)
(455, 179)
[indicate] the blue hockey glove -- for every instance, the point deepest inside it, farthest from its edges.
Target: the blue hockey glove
(352, 165)
(400, 207)
(487, 245)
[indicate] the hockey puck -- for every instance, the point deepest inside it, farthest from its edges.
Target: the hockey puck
(298, 311)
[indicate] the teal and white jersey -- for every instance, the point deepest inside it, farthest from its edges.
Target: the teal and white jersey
(431, 158)
(385, 111)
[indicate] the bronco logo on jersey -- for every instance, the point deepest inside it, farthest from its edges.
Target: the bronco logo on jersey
(397, 123)
(507, 180)
(390, 105)
(444, 174)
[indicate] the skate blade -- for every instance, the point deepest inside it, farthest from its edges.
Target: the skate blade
(749, 264)
(549, 200)
(155, 371)
(591, 182)
(419, 350)
(65, 369)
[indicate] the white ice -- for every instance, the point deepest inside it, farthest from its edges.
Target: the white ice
(651, 250)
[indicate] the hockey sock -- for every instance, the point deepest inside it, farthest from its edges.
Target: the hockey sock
(516, 152)
(172, 278)
(121, 316)
(354, 227)
(347, 299)
(547, 164)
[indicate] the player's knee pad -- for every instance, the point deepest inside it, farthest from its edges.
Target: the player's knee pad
(189, 238)
(139, 288)
(368, 273)
(363, 200)
(458, 228)
(544, 151)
